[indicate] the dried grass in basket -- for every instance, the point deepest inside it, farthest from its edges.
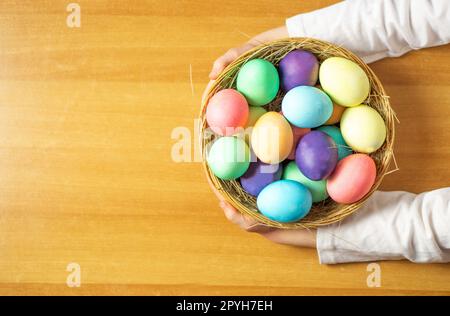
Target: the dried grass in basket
(325, 212)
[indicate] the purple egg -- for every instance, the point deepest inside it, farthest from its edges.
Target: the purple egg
(259, 175)
(298, 68)
(316, 155)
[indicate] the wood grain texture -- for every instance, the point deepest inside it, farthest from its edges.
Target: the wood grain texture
(86, 117)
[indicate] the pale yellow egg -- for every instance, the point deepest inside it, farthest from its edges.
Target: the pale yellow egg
(363, 128)
(344, 81)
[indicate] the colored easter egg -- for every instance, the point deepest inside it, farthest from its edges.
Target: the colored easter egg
(335, 133)
(318, 189)
(226, 111)
(258, 81)
(272, 138)
(284, 201)
(298, 68)
(255, 112)
(259, 175)
(363, 128)
(306, 107)
(229, 157)
(298, 133)
(336, 115)
(316, 155)
(352, 179)
(344, 81)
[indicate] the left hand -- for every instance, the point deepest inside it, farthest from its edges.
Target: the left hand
(232, 54)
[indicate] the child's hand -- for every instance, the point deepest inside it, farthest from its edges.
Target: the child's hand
(294, 237)
(233, 53)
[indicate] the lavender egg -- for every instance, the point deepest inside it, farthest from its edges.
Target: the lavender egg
(298, 68)
(259, 175)
(316, 155)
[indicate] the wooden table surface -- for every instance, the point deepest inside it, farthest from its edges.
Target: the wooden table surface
(86, 174)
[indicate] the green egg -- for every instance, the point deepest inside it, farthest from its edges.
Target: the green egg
(318, 189)
(258, 81)
(229, 158)
(335, 133)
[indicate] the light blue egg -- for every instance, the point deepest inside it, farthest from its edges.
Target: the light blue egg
(306, 107)
(284, 201)
(335, 132)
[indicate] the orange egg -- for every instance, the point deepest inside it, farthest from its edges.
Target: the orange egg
(337, 111)
(298, 133)
(336, 115)
(272, 138)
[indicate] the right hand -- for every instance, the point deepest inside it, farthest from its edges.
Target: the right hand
(293, 237)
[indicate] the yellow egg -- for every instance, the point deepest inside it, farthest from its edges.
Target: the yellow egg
(344, 81)
(272, 138)
(363, 129)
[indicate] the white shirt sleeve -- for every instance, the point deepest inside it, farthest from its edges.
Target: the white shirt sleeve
(391, 226)
(374, 29)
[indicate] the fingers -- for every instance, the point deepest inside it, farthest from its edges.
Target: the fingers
(294, 237)
(226, 59)
(245, 222)
(223, 61)
(218, 66)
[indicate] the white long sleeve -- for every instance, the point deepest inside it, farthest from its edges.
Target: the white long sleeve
(391, 226)
(374, 29)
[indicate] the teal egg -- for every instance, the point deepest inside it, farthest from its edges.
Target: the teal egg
(229, 158)
(318, 189)
(334, 132)
(284, 201)
(258, 81)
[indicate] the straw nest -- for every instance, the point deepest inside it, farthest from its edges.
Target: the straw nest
(325, 212)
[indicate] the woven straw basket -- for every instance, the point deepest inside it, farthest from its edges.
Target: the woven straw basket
(325, 212)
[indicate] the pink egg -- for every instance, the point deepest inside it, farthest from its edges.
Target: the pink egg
(352, 179)
(227, 110)
(298, 134)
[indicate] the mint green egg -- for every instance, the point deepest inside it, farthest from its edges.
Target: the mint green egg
(258, 81)
(335, 133)
(318, 189)
(229, 158)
